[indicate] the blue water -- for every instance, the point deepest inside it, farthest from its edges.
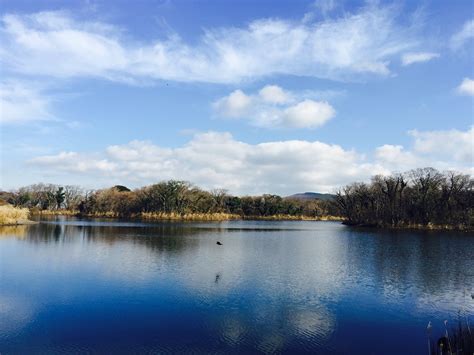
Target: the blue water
(101, 286)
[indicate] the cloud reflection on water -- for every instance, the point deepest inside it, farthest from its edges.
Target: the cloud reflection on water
(267, 287)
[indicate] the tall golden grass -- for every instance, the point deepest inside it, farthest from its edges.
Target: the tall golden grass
(62, 212)
(13, 215)
(221, 216)
(213, 216)
(188, 216)
(286, 217)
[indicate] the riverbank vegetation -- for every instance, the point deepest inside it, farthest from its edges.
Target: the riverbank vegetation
(421, 198)
(169, 200)
(10, 215)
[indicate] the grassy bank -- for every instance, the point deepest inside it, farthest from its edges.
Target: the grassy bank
(285, 217)
(10, 215)
(62, 212)
(220, 216)
(228, 216)
(215, 216)
(144, 215)
(188, 216)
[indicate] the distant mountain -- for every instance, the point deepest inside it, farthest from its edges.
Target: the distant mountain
(312, 196)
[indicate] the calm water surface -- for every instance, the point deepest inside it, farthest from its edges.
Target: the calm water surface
(97, 286)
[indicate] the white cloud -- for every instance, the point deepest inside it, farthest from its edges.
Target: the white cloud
(22, 102)
(466, 87)
(56, 44)
(396, 158)
(75, 163)
(418, 57)
(444, 150)
(52, 43)
(453, 145)
(218, 160)
(214, 159)
(275, 107)
(308, 113)
(274, 94)
(237, 104)
(465, 34)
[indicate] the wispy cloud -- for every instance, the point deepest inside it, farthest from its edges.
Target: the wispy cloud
(464, 35)
(418, 57)
(57, 44)
(320, 7)
(274, 107)
(33, 101)
(216, 159)
(22, 102)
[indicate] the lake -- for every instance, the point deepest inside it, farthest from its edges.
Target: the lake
(71, 285)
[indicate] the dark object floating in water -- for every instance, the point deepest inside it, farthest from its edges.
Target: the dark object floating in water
(219, 243)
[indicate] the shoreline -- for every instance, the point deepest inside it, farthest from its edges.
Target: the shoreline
(220, 217)
(198, 217)
(420, 227)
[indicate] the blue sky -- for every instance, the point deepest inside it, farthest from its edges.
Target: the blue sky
(255, 97)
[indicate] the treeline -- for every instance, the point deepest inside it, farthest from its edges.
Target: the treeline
(164, 198)
(420, 197)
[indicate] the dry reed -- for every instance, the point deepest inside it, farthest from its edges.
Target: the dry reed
(189, 216)
(10, 215)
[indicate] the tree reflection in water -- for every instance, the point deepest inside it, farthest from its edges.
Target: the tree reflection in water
(271, 286)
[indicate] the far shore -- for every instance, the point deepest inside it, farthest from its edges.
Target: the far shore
(427, 227)
(198, 217)
(216, 217)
